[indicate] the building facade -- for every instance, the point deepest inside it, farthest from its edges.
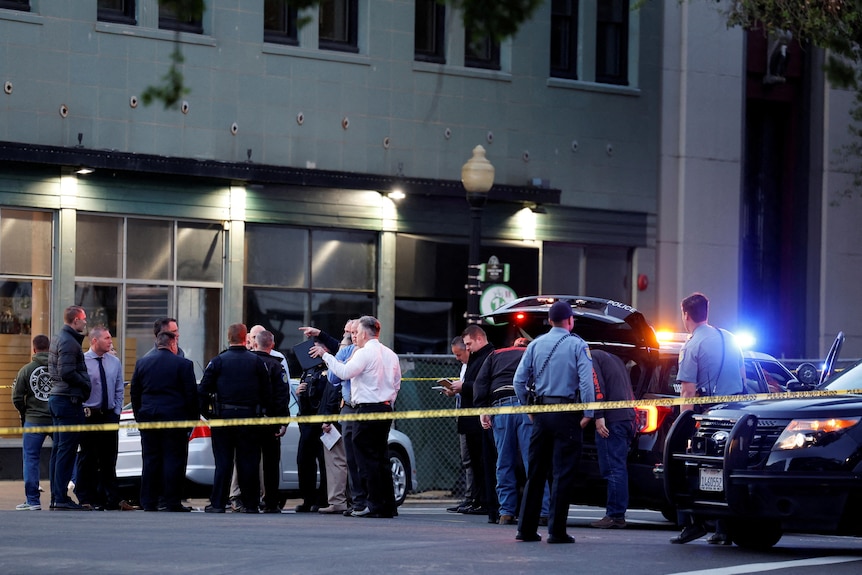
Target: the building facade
(263, 196)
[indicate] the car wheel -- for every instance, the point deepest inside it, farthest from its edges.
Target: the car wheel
(755, 535)
(400, 466)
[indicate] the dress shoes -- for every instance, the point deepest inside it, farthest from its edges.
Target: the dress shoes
(126, 506)
(608, 522)
(305, 508)
(176, 508)
(719, 539)
(528, 537)
(212, 509)
(689, 534)
(332, 509)
(557, 539)
(69, 506)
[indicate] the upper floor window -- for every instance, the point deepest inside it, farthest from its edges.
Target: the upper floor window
(338, 25)
(481, 51)
(612, 31)
(16, 5)
(170, 19)
(564, 39)
(429, 31)
(279, 22)
(120, 11)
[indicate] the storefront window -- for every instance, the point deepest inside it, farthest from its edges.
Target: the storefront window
(199, 252)
(149, 249)
(99, 245)
(343, 260)
(25, 242)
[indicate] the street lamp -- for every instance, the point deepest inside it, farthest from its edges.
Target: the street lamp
(477, 176)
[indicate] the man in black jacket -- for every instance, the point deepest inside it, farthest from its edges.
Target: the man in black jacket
(480, 442)
(615, 429)
(493, 388)
(163, 388)
(270, 441)
(70, 388)
(235, 385)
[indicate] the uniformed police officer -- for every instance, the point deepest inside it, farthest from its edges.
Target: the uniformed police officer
(559, 362)
(235, 385)
(710, 364)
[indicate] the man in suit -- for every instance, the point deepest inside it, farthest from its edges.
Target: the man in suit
(163, 388)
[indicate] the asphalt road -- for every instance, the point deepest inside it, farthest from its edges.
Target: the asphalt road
(422, 539)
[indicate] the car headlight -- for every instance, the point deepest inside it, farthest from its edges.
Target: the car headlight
(802, 433)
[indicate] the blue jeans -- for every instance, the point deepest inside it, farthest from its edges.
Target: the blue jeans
(512, 438)
(613, 452)
(32, 451)
(65, 411)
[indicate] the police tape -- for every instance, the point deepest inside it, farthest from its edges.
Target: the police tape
(429, 413)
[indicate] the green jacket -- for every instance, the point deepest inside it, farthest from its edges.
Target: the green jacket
(31, 389)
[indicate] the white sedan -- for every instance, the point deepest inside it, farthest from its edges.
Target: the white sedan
(201, 467)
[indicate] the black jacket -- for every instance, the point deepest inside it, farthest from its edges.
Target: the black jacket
(236, 377)
(66, 365)
(494, 380)
(278, 392)
(612, 383)
(474, 364)
(163, 388)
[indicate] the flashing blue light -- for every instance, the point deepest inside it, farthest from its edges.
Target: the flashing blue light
(745, 339)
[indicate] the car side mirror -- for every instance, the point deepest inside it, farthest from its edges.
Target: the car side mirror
(794, 385)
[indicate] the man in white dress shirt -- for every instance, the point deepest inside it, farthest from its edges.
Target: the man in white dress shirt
(375, 375)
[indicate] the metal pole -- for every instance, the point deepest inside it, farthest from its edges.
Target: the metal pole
(473, 286)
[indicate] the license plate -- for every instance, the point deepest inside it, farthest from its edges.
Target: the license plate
(711, 479)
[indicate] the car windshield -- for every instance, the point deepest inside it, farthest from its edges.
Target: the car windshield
(850, 378)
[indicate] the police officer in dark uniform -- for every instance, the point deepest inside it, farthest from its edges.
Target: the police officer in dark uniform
(270, 440)
(235, 385)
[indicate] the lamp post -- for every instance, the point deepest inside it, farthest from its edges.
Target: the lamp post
(477, 176)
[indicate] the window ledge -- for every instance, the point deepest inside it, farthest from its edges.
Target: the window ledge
(21, 16)
(592, 87)
(155, 33)
(427, 67)
(326, 55)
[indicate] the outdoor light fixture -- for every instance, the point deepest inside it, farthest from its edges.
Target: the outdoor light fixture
(477, 177)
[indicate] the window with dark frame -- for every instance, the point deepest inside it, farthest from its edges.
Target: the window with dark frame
(481, 52)
(429, 31)
(118, 11)
(564, 39)
(279, 23)
(168, 20)
(338, 25)
(23, 5)
(612, 33)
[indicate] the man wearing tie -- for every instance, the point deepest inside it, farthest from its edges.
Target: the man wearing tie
(97, 461)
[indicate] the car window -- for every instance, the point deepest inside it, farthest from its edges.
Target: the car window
(850, 378)
(752, 379)
(776, 376)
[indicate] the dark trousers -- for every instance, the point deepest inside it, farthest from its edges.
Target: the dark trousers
(270, 453)
(164, 454)
(371, 443)
(65, 410)
(309, 462)
(239, 443)
(555, 448)
(489, 472)
(475, 448)
(358, 496)
(97, 463)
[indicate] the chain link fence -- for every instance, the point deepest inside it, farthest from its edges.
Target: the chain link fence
(435, 440)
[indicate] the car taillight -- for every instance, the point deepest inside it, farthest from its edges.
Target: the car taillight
(651, 417)
(519, 317)
(200, 431)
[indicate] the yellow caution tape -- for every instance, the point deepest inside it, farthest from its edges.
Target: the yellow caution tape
(430, 413)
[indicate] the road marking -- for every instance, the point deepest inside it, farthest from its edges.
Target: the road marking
(761, 567)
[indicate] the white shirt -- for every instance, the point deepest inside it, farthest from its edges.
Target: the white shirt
(374, 373)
